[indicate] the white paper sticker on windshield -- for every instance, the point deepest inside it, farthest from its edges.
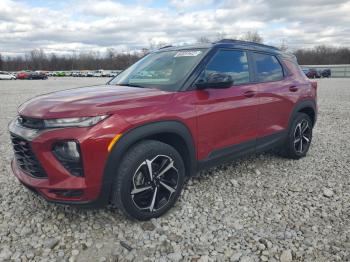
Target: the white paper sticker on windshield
(187, 53)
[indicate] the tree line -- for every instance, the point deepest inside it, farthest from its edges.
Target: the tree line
(39, 60)
(113, 60)
(323, 55)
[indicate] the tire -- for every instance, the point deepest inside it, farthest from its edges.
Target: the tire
(141, 196)
(299, 137)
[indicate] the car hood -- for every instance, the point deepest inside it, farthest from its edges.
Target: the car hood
(91, 101)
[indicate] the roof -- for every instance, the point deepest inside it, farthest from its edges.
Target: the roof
(246, 44)
(230, 43)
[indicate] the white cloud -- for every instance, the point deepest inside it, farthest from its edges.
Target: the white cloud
(97, 25)
(184, 4)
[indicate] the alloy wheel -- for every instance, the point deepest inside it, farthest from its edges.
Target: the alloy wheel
(302, 136)
(154, 183)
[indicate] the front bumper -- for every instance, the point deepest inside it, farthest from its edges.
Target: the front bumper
(51, 191)
(59, 185)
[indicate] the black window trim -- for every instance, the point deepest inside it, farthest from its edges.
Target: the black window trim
(212, 56)
(192, 78)
(284, 71)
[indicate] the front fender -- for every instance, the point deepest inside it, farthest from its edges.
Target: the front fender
(138, 133)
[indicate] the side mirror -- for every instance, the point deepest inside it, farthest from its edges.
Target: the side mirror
(215, 80)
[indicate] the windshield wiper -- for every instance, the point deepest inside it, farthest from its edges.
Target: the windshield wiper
(132, 85)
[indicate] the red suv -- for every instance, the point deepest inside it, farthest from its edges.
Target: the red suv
(134, 141)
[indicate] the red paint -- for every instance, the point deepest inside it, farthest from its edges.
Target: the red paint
(216, 118)
(23, 75)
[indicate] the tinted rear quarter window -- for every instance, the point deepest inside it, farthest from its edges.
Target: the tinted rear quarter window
(268, 68)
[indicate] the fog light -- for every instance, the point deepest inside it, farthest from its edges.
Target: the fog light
(68, 153)
(68, 150)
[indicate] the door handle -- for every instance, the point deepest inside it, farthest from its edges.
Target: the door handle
(293, 88)
(249, 93)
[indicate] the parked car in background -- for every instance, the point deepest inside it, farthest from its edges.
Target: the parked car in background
(84, 73)
(110, 73)
(6, 76)
(97, 73)
(106, 73)
(38, 75)
(75, 74)
(311, 73)
(115, 73)
(326, 73)
(24, 75)
(59, 73)
(135, 141)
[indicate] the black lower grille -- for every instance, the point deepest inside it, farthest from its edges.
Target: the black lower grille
(25, 157)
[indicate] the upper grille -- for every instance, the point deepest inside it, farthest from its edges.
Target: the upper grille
(33, 123)
(25, 157)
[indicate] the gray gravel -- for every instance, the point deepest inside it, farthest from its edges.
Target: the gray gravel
(260, 208)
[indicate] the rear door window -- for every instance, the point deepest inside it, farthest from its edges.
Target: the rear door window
(268, 68)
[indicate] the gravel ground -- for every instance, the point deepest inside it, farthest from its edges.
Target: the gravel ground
(260, 208)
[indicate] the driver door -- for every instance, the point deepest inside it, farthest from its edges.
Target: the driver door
(227, 117)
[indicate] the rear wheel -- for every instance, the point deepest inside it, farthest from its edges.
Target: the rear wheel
(149, 180)
(299, 137)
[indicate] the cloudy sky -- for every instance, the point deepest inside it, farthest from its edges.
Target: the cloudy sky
(82, 25)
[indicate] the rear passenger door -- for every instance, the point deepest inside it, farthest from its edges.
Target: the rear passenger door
(274, 91)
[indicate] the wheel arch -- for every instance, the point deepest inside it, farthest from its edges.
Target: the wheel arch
(306, 106)
(174, 133)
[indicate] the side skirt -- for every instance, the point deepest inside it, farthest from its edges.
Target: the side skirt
(270, 142)
(220, 156)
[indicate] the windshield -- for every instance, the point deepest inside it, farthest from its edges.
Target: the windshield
(165, 70)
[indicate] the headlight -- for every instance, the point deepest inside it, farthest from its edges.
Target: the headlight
(74, 122)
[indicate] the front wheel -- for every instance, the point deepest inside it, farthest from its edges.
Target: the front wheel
(149, 180)
(299, 137)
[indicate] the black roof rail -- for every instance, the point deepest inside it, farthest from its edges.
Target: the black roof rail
(233, 41)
